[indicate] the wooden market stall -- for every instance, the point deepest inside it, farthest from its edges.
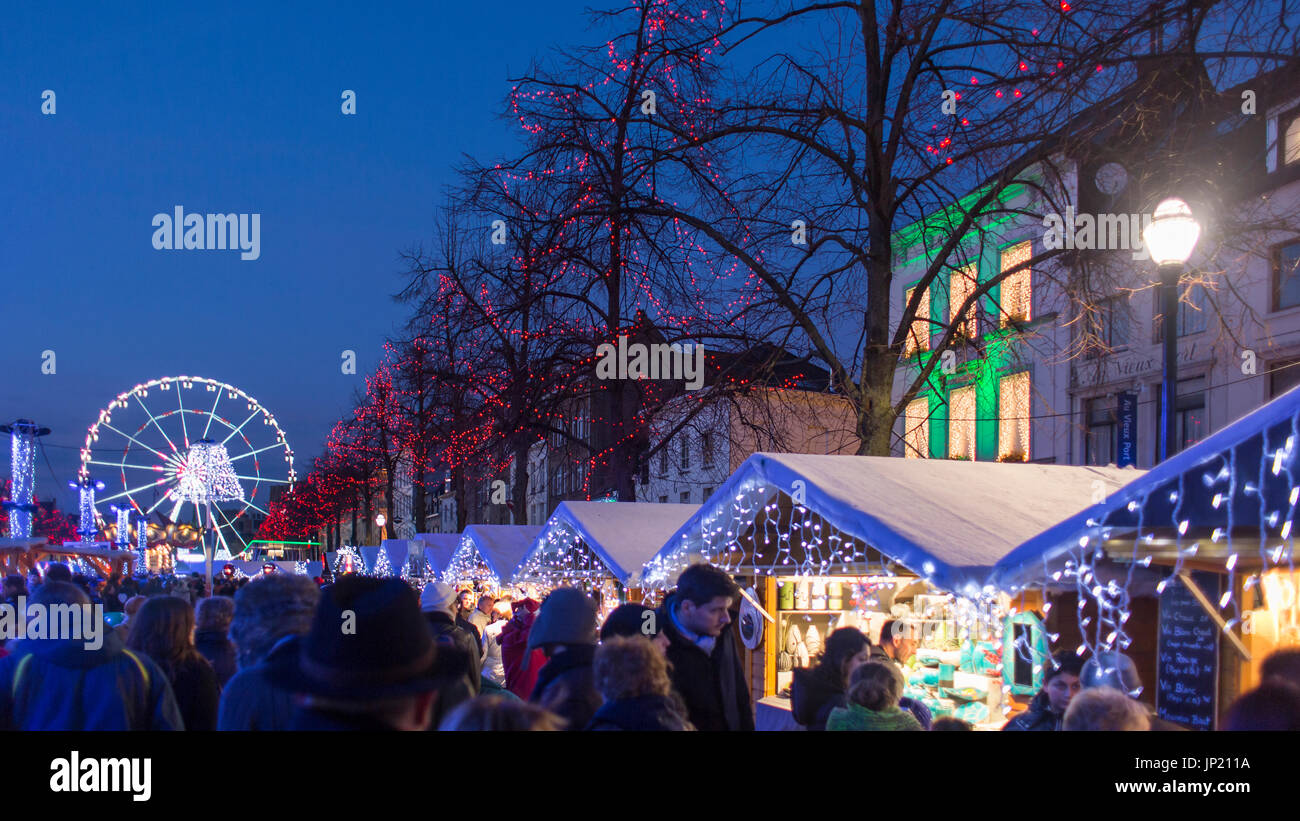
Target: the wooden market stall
(1191, 565)
(852, 541)
(21, 556)
(601, 547)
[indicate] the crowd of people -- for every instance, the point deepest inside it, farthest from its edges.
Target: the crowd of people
(286, 652)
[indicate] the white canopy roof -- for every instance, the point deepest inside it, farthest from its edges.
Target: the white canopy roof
(502, 547)
(946, 520)
(438, 549)
(1249, 466)
(624, 535)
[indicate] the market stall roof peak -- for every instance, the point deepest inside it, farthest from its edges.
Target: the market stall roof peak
(946, 520)
(1263, 440)
(502, 547)
(438, 549)
(625, 535)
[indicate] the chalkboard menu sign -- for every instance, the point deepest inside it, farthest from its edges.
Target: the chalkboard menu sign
(1187, 669)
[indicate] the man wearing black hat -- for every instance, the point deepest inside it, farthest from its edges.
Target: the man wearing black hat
(368, 662)
(706, 668)
(565, 630)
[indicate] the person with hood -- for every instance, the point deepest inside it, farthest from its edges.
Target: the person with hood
(271, 613)
(380, 675)
(494, 668)
(565, 630)
(438, 602)
(71, 684)
(631, 674)
(705, 665)
(1118, 672)
(1061, 684)
(521, 677)
(816, 691)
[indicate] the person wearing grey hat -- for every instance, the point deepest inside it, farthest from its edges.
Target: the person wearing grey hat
(565, 630)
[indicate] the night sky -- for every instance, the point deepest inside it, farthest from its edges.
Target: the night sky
(234, 109)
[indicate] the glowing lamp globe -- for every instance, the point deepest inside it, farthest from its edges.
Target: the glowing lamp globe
(1172, 234)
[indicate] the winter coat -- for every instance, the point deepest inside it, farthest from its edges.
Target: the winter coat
(712, 685)
(493, 666)
(446, 631)
(1038, 718)
(249, 700)
(641, 714)
(468, 626)
(566, 686)
(60, 685)
(514, 647)
(197, 693)
(858, 718)
(219, 650)
(812, 697)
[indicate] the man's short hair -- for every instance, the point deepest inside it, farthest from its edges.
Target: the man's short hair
(59, 593)
(58, 572)
(1105, 709)
(214, 613)
(1282, 664)
(1065, 662)
(702, 583)
(897, 628)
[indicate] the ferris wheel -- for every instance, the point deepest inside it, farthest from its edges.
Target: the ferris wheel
(186, 446)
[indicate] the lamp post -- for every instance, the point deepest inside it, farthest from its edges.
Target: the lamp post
(380, 521)
(1170, 238)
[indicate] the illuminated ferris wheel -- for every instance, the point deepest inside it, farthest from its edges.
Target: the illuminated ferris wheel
(186, 446)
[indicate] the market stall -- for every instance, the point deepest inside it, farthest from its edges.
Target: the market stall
(438, 550)
(1188, 570)
(824, 542)
(489, 555)
(601, 547)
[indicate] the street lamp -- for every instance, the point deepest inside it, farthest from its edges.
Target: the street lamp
(380, 521)
(1170, 238)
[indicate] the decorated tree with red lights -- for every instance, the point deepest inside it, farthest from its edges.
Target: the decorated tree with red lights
(838, 124)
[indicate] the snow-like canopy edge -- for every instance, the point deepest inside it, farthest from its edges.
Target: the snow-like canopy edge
(948, 521)
(1025, 562)
(502, 547)
(623, 535)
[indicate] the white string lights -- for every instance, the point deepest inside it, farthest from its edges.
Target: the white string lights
(22, 473)
(1247, 490)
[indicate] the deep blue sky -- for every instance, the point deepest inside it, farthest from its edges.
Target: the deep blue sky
(232, 108)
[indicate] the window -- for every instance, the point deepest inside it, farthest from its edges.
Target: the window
(918, 335)
(1291, 137)
(685, 497)
(645, 472)
(961, 423)
(663, 462)
(961, 285)
(1286, 276)
(708, 491)
(685, 453)
(1189, 414)
(1017, 298)
(1013, 417)
(1283, 376)
(706, 447)
(1191, 313)
(1106, 326)
(1099, 438)
(663, 500)
(916, 429)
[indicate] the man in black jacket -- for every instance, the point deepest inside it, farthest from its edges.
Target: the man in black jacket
(1061, 684)
(706, 668)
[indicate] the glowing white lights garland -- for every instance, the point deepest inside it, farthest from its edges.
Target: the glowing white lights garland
(22, 472)
(208, 475)
(348, 560)
(562, 559)
(467, 566)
